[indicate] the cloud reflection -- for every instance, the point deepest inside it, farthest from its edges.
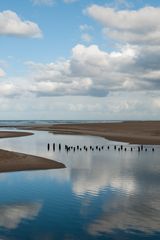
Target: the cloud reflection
(127, 214)
(98, 175)
(136, 207)
(12, 215)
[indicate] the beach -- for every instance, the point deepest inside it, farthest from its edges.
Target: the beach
(13, 161)
(9, 134)
(133, 132)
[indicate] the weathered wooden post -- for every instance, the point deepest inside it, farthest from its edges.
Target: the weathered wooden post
(53, 146)
(48, 146)
(59, 147)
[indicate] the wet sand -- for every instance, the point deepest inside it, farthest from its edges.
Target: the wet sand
(8, 134)
(133, 132)
(13, 161)
(136, 132)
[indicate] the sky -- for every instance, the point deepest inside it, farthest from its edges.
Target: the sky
(80, 59)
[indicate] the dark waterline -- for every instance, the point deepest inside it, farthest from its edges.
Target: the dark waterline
(103, 194)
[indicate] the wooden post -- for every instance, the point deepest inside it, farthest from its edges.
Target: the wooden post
(53, 146)
(59, 147)
(48, 146)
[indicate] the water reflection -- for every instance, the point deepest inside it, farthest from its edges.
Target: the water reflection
(96, 195)
(12, 215)
(128, 213)
(102, 173)
(136, 206)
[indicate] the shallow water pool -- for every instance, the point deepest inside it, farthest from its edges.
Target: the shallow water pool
(106, 194)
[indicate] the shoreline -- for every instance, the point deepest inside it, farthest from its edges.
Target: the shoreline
(12, 134)
(12, 162)
(133, 132)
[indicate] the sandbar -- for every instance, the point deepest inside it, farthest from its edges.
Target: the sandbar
(133, 132)
(9, 134)
(13, 161)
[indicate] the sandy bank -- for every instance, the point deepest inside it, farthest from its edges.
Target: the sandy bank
(9, 134)
(13, 161)
(135, 132)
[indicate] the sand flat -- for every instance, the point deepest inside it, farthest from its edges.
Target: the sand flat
(9, 134)
(13, 161)
(134, 132)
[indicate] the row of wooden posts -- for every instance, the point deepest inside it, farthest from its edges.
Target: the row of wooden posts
(100, 148)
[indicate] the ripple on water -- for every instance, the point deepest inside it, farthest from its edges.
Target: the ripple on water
(100, 193)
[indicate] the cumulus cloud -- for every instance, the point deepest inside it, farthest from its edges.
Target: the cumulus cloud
(131, 69)
(58, 79)
(90, 71)
(13, 87)
(94, 72)
(107, 70)
(11, 24)
(7, 89)
(140, 26)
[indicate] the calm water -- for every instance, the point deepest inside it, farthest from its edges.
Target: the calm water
(100, 195)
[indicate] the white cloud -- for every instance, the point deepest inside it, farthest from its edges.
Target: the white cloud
(7, 89)
(140, 26)
(86, 37)
(90, 71)
(43, 2)
(93, 72)
(11, 24)
(129, 77)
(117, 105)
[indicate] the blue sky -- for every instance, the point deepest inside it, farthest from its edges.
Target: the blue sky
(79, 59)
